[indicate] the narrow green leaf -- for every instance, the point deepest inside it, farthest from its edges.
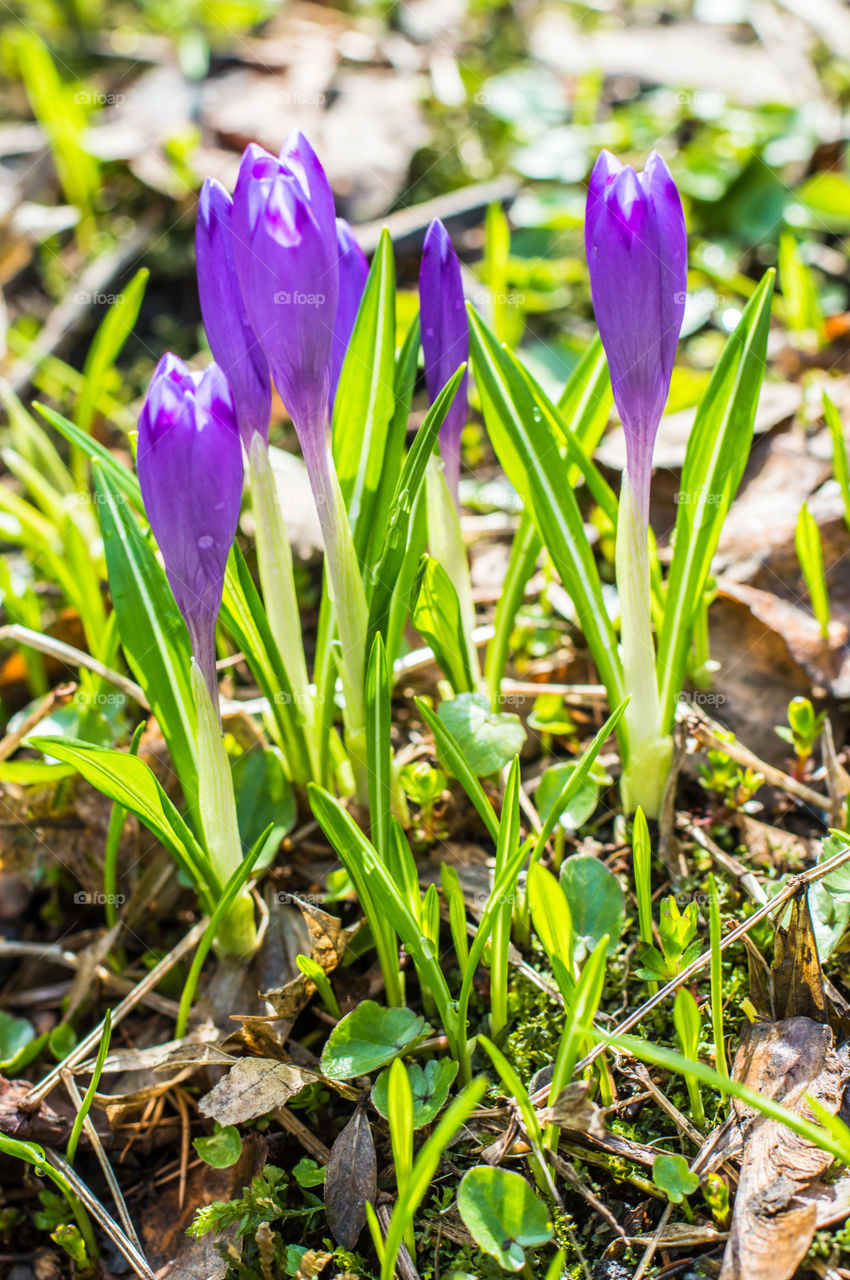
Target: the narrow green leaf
(840, 463)
(450, 751)
(113, 331)
(716, 456)
(153, 634)
(383, 579)
(379, 747)
(436, 615)
(810, 554)
(529, 451)
(130, 782)
(365, 403)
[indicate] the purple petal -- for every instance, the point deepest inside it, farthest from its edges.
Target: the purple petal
(232, 340)
(637, 257)
(445, 338)
(189, 462)
(286, 255)
(353, 273)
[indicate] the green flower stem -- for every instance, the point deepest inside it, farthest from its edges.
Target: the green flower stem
(650, 750)
(274, 556)
(447, 546)
(217, 804)
(345, 587)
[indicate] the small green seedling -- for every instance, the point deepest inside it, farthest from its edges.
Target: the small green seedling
(671, 1174)
(424, 784)
(503, 1214)
(314, 973)
(807, 541)
(679, 945)
(804, 727)
(726, 778)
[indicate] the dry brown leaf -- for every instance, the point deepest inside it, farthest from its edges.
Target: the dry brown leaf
(574, 1110)
(772, 1224)
(351, 1179)
(254, 1087)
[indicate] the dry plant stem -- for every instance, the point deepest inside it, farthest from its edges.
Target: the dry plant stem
(732, 866)
(794, 886)
(696, 1167)
(122, 1242)
(58, 697)
(404, 1266)
(92, 1135)
(54, 954)
(639, 1072)
(701, 728)
(89, 1042)
(73, 658)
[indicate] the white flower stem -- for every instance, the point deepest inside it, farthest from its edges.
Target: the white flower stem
(650, 750)
(274, 557)
(217, 805)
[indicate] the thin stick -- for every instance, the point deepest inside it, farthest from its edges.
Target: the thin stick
(73, 658)
(54, 954)
(56, 698)
(108, 1172)
(31, 1099)
(133, 1255)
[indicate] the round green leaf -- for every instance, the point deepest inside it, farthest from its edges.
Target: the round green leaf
(369, 1037)
(15, 1035)
(222, 1148)
(503, 1214)
(583, 803)
(489, 740)
(672, 1176)
(596, 902)
(429, 1085)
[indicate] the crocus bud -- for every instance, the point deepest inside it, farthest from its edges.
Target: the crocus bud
(232, 340)
(353, 271)
(637, 254)
(287, 261)
(190, 471)
(445, 339)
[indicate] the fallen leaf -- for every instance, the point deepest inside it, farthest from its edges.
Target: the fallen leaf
(253, 1087)
(351, 1180)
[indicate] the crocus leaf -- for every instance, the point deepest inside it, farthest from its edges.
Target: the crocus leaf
(130, 782)
(717, 453)
(671, 1174)
(153, 634)
(529, 451)
(367, 454)
(263, 798)
(369, 1037)
(488, 740)
(429, 1085)
(503, 1214)
(122, 478)
(382, 583)
(596, 902)
(436, 615)
(113, 331)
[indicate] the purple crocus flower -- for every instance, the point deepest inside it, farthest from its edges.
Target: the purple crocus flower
(637, 254)
(353, 272)
(445, 339)
(232, 340)
(190, 471)
(287, 262)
